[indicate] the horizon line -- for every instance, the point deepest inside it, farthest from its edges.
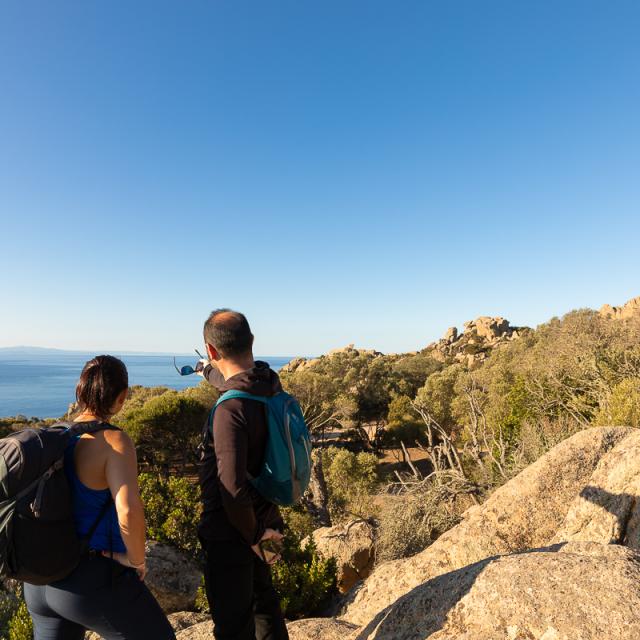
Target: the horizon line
(23, 347)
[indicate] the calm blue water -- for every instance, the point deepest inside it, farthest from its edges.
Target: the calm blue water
(43, 385)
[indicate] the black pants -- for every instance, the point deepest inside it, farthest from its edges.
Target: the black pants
(100, 595)
(243, 603)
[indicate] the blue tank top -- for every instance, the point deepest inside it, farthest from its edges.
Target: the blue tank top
(87, 505)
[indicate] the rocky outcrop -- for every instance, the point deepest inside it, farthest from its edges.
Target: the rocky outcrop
(172, 577)
(607, 509)
(475, 342)
(179, 621)
(299, 364)
(202, 631)
(310, 629)
(631, 309)
(523, 514)
(583, 591)
(551, 555)
(352, 547)
(316, 628)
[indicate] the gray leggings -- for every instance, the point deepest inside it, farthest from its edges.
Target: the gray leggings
(100, 595)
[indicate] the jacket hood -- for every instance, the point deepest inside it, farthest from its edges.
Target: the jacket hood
(260, 380)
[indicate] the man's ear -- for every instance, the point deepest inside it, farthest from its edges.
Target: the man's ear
(212, 352)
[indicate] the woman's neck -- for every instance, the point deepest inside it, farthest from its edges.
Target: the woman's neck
(87, 416)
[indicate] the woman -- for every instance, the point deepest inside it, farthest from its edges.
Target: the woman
(106, 592)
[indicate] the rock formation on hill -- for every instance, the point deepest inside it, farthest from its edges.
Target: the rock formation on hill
(630, 309)
(475, 342)
(473, 345)
(303, 363)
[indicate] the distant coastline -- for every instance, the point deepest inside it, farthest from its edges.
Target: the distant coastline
(30, 350)
(39, 382)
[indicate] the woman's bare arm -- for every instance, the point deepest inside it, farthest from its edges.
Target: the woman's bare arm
(122, 477)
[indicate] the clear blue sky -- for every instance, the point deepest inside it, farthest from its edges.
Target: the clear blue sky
(367, 172)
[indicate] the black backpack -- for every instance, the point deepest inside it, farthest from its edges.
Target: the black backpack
(38, 540)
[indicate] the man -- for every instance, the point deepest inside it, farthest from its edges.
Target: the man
(235, 517)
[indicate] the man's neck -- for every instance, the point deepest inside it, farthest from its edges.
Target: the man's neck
(230, 368)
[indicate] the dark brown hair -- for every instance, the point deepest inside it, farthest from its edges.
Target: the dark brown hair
(228, 331)
(102, 380)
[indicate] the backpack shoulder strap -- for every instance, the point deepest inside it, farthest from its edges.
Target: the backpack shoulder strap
(94, 426)
(229, 395)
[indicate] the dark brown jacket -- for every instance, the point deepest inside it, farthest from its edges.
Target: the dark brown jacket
(232, 508)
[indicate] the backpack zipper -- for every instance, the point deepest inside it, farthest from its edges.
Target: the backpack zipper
(36, 505)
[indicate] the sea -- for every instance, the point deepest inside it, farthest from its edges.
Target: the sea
(41, 383)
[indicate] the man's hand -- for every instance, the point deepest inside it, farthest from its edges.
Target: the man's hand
(269, 534)
(200, 366)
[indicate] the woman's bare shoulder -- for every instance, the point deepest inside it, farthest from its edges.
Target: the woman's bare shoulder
(118, 440)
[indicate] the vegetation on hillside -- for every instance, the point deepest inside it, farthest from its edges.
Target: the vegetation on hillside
(474, 419)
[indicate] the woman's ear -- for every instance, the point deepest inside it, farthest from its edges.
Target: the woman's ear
(120, 400)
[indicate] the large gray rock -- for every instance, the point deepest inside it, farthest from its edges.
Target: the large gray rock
(310, 629)
(172, 577)
(586, 591)
(202, 631)
(352, 547)
(607, 509)
(316, 628)
(179, 621)
(525, 513)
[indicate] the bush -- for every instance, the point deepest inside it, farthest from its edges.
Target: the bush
(298, 520)
(202, 603)
(304, 581)
(8, 607)
(351, 480)
(20, 626)
(164, 427)
(172, 508)
(403, 424)
(411, 522)
(624, 405)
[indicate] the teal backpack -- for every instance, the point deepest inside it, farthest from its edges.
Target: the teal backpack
(286, 468)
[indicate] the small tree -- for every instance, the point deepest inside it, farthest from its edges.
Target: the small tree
(165, 428)
(403, 424)
(623, 407)
(351, 480)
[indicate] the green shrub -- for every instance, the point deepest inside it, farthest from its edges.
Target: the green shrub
(304, 581)
(298, 520)
(172, 508)
(20, 625)
(8, 607)
(351, 482)
(403, 424)
(411, 522)
(166, 426)
(201, 604)
(624, 405)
